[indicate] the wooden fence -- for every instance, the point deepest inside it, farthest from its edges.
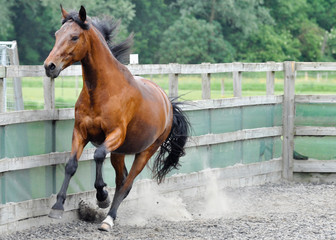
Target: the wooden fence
(205, 69)
(285, 165)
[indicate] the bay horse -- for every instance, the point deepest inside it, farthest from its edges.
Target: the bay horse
(115, 111)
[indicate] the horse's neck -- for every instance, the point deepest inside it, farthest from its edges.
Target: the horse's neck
(93, 76)
(100, 68)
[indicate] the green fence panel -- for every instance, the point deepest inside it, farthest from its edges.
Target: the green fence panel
(2, 188)
(63, 137)
(277, 147)
(37, 178)
(2, 142)
(28, 139)
(261, 116)
(259, 150)
(17, 186)
(49, 179)
(249, 117)
(83, 180)
(63, 133)
(225, 120)
(322, 148)
(315, 114)
(254, 151)
(225, 154)
(199, 121)
(245, 152)
(196, 159)
(27, 184)
(277, 118)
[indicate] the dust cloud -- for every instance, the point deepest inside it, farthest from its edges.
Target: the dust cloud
(216, 202)
(146, 203)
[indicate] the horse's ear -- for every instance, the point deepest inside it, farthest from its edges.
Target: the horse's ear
(64, 13)
(82, 14)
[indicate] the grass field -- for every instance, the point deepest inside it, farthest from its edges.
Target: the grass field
(67, 89)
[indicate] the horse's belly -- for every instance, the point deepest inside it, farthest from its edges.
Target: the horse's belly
(147, 127)
(127, 148)
(138, 141)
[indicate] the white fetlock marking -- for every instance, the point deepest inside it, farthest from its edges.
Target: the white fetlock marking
(109, 221)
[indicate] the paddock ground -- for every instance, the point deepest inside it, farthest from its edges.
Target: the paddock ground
(271, 211)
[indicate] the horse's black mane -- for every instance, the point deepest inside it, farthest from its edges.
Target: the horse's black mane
(109, 29)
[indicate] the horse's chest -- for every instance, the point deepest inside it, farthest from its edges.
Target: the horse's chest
(91, 130)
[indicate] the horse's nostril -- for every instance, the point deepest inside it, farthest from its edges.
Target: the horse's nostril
(52, 66)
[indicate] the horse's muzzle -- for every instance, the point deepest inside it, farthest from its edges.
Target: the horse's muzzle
(52, 70)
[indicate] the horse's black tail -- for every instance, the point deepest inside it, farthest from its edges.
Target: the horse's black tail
(173, 145)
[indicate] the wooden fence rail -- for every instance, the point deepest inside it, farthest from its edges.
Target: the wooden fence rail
(173, 70)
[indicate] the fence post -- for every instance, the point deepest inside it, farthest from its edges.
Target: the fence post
(173, 80)
(206, 85)
(3, 100)
(49, 93)
(288, 115)
(17, 85)
(237, 84)
(222, 87)
(2, 96)
(2, 89)
(237, 80)
(270, 75)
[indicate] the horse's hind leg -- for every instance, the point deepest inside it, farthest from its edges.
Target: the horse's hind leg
(103, 199)
(118, 163)
(139, 163)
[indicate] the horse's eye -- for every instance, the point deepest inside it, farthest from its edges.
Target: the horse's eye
(74, 38)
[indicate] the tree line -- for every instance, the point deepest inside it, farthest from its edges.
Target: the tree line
(187, 31)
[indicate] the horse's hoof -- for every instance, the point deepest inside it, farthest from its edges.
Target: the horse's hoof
(107, 224)
(104, 204)
(55, 213)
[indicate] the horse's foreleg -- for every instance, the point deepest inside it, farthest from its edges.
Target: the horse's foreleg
(139, 163)
(70, 168)
(103, 199)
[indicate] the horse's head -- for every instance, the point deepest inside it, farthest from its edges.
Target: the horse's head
(70, 45)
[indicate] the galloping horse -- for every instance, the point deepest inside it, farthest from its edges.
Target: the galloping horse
(115, 111)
